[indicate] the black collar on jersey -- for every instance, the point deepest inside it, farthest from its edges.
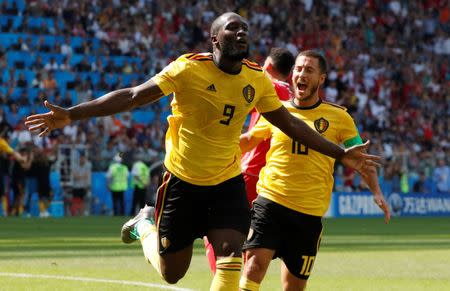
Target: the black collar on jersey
(306, 107)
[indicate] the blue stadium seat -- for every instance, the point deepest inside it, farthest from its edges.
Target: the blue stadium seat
(16, 20)
(164, 116)
(95, 43)
(111, 78)
(76, 41)
(62, 77)
(143, 117)
(6, 39)
(17, 56)
(32, 94)
(100, 190)
(19, 3)
(37, 22)
(16, 93)
(41, 109)
(59, 58)
(29, 75)
(73, 96)
(55, 184)
(75, 59)
(164, 101)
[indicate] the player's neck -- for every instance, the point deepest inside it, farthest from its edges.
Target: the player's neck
(226, 65)
(306, 103)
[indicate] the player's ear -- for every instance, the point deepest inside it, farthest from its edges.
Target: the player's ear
(214, 40)
(322, 79)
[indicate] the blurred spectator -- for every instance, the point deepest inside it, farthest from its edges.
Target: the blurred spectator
(38, 65)
(422, 185)
(81, 187)
(50, 83)
(66, 48)
(37, 81)
(40, 170)
(117, 176)
(18, 175)
(52, 65)
(141, 179)
(441, 176)
(13, 117)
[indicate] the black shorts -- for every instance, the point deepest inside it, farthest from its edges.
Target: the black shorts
(294, 236)
(184, 211)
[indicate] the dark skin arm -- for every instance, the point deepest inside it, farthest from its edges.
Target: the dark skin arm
(114, 102)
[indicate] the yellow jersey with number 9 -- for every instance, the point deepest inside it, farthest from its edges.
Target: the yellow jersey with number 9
(296, 176)
(209, 109)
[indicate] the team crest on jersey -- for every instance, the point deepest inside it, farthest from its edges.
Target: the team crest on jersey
(321, 125)
(249, 93)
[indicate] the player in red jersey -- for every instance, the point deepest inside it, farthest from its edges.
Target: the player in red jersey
(278, 66)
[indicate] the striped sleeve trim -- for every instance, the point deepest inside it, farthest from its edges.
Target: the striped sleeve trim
(252, 65)
(200, 57)
(335, 105)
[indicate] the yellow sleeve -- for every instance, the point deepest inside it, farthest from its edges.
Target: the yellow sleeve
(262, 129)
(170, 78)
(348, 134)
(269, 100)
(4, 147)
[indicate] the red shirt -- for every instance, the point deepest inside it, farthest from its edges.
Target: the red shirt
(253, 161)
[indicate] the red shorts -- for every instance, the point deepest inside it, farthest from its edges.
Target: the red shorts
(250, 187)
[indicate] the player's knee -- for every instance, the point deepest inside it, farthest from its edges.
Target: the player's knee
(254, 269)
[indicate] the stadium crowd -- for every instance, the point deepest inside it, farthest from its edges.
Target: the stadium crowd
(389, 65)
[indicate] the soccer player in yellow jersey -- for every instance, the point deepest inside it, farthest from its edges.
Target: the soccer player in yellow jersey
(6, 148)
(294, 187)
(202, 192)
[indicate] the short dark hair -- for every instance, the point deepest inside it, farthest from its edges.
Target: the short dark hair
(317, 55)
(219, 21)
(282, 60)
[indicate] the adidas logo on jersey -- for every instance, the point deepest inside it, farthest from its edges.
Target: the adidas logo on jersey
(211, 88)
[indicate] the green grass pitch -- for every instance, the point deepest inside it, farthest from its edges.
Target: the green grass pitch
(356, 254)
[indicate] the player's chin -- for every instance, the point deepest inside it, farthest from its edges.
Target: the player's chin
(241, 52)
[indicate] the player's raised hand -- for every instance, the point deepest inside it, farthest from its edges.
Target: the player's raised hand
(57, 117)
(380, 202)
(356, 157)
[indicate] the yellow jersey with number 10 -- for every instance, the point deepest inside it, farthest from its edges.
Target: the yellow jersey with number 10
(209, 109)
(296, 176)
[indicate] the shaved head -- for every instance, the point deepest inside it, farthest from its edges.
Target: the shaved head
(220, 21)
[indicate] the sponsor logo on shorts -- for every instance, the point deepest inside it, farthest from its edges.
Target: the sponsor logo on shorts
(165, 242)
(250, 234)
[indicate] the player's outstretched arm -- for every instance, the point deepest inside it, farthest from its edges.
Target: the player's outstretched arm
(378, 197)
(247, 142)
(114, 102)
(370, 177)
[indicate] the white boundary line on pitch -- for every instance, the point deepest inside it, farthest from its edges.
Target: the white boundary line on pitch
(86, 279)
